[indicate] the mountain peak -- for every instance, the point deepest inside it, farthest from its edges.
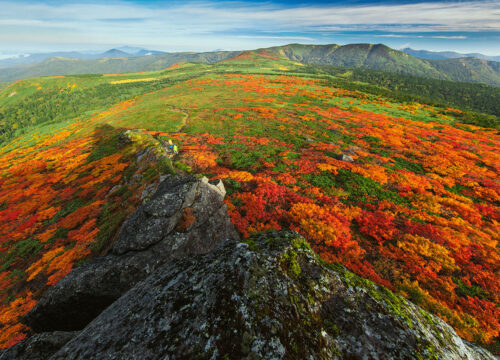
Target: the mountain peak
(129, 49)
(114, 53)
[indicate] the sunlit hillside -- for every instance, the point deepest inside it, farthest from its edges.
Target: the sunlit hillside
(403, 194)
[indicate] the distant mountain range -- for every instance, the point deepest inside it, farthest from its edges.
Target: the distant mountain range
(124, 51)
(439, 55)
(120, 64)
(368, 56)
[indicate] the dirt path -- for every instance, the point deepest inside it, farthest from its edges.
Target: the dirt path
(181, 128)
(184, 121)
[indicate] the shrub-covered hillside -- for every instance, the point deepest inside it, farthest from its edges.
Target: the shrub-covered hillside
(402, 194)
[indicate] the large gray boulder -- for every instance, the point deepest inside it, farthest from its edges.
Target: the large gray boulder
(185, 216)
(268, 298)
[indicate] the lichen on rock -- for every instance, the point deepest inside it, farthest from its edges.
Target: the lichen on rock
(273, 300)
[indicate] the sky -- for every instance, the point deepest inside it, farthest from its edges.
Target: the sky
(207, 25)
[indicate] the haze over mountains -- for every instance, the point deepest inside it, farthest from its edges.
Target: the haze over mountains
(368, 56)
(123, 51)
(439, 55)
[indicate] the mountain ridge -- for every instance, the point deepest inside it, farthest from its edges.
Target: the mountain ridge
(122, 51)
(368, 56)
(383, 58)
(437, 55)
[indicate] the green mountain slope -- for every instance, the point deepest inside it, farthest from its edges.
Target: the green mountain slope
(425, 54)
(365, 56)
(378, 57)
(469, 69)
(383, 58)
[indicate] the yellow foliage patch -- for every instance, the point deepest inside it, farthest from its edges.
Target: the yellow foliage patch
(124, 81)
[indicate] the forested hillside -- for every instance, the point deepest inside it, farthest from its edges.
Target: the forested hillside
(479, 101)
(469, 69)
(383, 58)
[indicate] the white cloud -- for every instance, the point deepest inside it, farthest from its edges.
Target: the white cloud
(448, 37)
(206, 25)
(275, 37)
(406, 36)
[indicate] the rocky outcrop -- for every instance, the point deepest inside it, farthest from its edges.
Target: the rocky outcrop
(184, 217)
(347, 158)
(269, 298)
(172, 288)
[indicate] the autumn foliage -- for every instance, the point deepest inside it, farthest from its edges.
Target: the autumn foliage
(56, 198)
(416, 210)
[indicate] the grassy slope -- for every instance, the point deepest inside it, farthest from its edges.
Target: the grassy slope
(480, 101)
(274, 139)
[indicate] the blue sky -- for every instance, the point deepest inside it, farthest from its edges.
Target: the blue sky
(205, 25)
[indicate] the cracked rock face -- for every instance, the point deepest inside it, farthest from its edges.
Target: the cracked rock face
(268, 298)
(184, 217)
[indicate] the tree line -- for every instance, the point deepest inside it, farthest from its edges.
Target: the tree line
(480, 103)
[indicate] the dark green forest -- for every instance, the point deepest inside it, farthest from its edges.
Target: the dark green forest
(53, 106)
(480, 102)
